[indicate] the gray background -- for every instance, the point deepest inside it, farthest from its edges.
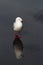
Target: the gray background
(32, 35)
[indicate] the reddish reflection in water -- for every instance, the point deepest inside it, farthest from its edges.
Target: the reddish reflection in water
(18, 47)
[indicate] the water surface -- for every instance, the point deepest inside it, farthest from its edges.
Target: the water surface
(32, 34)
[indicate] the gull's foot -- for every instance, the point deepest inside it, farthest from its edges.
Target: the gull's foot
(18, 36)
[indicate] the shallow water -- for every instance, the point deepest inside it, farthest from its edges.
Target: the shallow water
(32, 34)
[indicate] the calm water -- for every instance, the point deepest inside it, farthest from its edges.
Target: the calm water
(32, 34)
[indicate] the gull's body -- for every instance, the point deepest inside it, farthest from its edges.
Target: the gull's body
(18, 24)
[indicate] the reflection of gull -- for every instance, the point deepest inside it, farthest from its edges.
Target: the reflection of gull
(18, 24)
(18, 47)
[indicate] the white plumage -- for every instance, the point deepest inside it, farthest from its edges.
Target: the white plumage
(17, 25)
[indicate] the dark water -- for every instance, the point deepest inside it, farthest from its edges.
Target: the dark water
(32, 35)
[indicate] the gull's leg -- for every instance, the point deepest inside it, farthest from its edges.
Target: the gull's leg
(19, 33)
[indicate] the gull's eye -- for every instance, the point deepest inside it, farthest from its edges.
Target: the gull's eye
(22, 21)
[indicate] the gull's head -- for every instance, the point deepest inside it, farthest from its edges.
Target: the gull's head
(19, 19)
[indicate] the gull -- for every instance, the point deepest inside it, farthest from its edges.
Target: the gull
(18, 25)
